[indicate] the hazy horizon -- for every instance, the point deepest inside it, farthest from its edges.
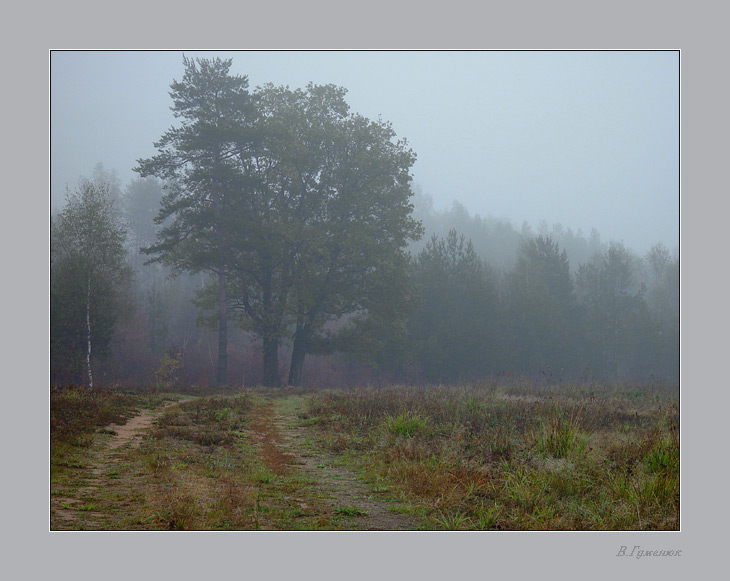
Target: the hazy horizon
(581, 138)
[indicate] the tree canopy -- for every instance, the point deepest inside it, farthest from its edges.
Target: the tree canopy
(293, 204)
(454, 328)
(541, 307)
(288, 219)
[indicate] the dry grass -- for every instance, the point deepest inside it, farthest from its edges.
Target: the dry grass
(210, 463)
(484, 457)
(481, 457)
(77, 412)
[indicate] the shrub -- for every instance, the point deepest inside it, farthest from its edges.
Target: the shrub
(166, 375)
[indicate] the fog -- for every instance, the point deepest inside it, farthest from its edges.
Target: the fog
(584, 139)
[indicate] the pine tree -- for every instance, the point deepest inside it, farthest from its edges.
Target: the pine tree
(200, 163)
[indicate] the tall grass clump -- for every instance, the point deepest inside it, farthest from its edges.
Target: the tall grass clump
(406, 424)
(663, 457)
(558, 435)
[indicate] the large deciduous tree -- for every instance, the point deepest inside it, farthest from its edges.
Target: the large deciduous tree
(353, 220)
(294, 205)
(359, 226)
(200, 163)
(269, 213)
(88, 272)
(325, 219)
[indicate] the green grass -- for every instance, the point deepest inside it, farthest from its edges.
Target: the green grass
(406, 424)
(350, 511)
(558, 435)
(480, 458)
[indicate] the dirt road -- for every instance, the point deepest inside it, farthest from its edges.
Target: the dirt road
(114, 478)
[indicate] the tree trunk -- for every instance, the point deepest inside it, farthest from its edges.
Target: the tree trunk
(271, 362)
(88, 331)
(222, 376)
(299, 352)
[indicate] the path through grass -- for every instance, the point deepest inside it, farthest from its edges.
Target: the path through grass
(226, 462)
(373, 459)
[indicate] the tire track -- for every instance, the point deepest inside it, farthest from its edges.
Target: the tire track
(345, 493)
(71, 511)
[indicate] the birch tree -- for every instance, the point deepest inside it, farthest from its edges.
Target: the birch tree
(88, 272)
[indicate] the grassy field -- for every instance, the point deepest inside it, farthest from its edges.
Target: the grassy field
(514, 459)
(482, 457)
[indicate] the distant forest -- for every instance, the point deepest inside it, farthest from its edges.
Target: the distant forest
(279, 241)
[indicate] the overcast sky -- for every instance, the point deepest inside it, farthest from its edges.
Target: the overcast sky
(586, 139)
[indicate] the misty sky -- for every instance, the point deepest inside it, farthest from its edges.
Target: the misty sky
(587, 139)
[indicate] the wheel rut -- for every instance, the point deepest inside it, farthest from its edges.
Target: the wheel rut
(344, 493)
(67, 511)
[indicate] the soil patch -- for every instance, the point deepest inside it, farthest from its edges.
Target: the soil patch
(275, 455)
